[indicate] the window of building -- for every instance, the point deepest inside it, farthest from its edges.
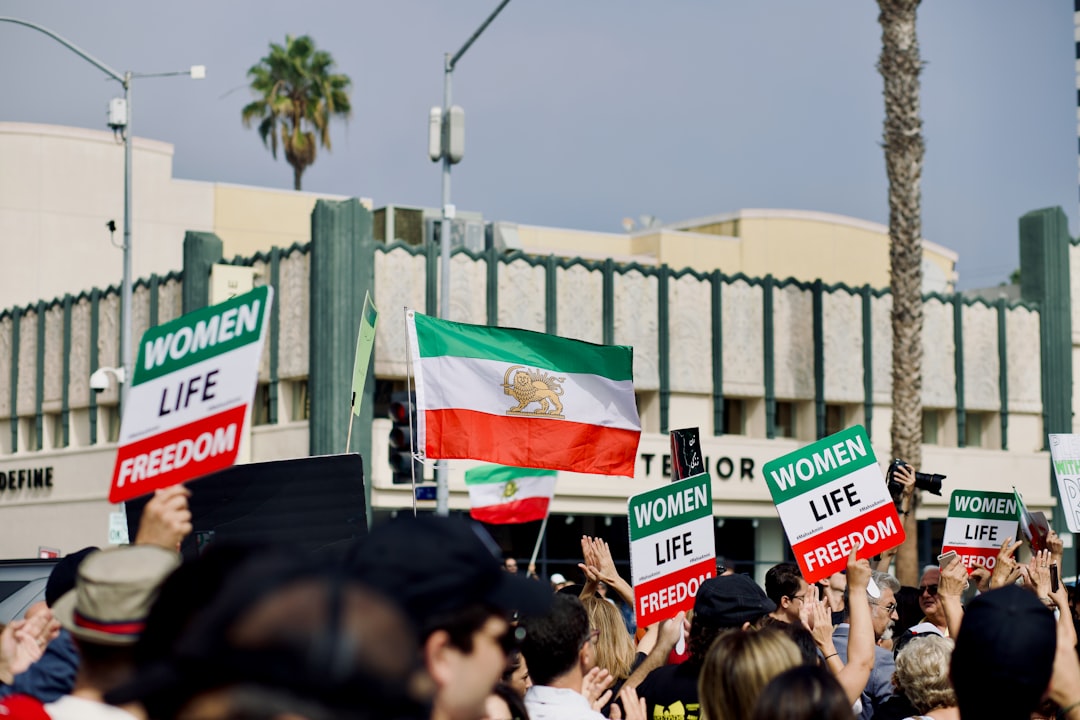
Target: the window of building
(734, 416)
(27, 435)
(977, 429)
(54, 430)
(301, 401)
(260, 406)
(835, 418)
(785, 419)
(931, 427)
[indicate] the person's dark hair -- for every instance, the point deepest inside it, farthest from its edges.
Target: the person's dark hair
(701, 637)
(803, 639)
(781, 581)
(512, 700)
(908, 611)
(513, 662)
(104, 666)
(552, 641)
(461, 625)
(807, 692)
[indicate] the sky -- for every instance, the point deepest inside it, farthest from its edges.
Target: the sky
(582, 113)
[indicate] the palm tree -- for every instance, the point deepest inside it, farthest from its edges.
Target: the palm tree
(296, 89)
(900, 67)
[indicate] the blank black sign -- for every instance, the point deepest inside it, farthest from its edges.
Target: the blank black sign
(314, 503)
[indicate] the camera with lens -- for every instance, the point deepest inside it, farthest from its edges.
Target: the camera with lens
(930, 482)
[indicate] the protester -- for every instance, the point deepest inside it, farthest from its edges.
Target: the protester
(879, 686)
(933, 612)
(616, 651)
(1004, 655)
(105, 613)
(922, 675)
(738, 665)
(785, 586)
(504, 704)
(516, 674)
(722, 603)
(446, 574)
(806, 692)
(560, 649)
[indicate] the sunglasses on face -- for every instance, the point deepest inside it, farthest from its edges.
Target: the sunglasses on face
(930, 590)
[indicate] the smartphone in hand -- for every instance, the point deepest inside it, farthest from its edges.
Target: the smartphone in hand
(1054, 580)
(945, 558)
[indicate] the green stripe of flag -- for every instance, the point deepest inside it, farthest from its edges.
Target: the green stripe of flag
(437, 338)
(491, 474)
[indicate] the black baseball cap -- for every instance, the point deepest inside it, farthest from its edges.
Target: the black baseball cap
(1007, 640)
(433, 565)
(729, 601)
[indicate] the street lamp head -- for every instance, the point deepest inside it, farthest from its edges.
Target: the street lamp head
(198, 72)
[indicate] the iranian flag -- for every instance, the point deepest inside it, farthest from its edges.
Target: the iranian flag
(505, 495)
(522, 398)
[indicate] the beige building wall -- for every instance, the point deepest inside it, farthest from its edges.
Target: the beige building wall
(59, 186)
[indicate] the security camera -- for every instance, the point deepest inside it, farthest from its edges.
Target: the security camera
(99, 379)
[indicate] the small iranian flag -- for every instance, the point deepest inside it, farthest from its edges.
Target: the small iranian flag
(504, 495)
(522, 398)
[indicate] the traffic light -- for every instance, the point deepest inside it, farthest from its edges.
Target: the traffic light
(402, 444)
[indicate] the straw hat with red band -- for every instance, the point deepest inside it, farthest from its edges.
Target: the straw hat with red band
(114, 590)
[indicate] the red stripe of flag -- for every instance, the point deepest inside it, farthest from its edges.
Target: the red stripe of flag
(515, 511)
(531, 442)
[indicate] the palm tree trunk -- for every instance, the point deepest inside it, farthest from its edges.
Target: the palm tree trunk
(900, 67)
(297, 171)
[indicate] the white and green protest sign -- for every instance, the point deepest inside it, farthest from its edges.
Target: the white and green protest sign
(194, 379)
(832, 496)
(1065, 453)
(672, 547)
(978, 523)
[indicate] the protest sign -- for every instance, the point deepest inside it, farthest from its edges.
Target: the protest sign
(1033, 525)
(190, 394)
(978, 523)
(831, 496)
(310, 503)
(672, 547)
(1065, 453)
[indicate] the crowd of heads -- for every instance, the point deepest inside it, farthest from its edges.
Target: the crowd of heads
(426, 618)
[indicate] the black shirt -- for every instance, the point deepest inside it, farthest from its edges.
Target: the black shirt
(670, 692)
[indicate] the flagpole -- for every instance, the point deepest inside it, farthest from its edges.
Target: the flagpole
(540, 538)
(408, 390)
(352, 414)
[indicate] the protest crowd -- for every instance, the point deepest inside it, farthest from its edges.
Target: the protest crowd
(421, 618)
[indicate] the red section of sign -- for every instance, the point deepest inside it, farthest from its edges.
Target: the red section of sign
(974, 557)
(661, 598)
(827, 552)
(178, 455)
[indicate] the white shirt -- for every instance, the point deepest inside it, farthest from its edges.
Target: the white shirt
(549, 703)
(70, 707)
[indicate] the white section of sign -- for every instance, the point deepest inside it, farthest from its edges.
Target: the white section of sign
(671, 550)
(1065, 455)
(977, 533)
(833, 503)
(191, 393)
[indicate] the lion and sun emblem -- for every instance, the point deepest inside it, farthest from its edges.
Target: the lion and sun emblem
(534, 386)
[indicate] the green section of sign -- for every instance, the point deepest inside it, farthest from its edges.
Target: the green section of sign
(817, 464)
(982, 505)
(203, 334)
(670, 506)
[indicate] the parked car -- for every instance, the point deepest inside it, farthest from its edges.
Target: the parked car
(22, 583)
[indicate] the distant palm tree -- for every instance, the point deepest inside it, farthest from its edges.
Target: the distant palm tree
(900, 67)
(296, 89)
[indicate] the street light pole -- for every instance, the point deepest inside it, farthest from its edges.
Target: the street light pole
(197, 72)
(442, 489)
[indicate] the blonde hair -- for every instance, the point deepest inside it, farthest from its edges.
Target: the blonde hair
(922, 672)
(615, 649)
(737, 666)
